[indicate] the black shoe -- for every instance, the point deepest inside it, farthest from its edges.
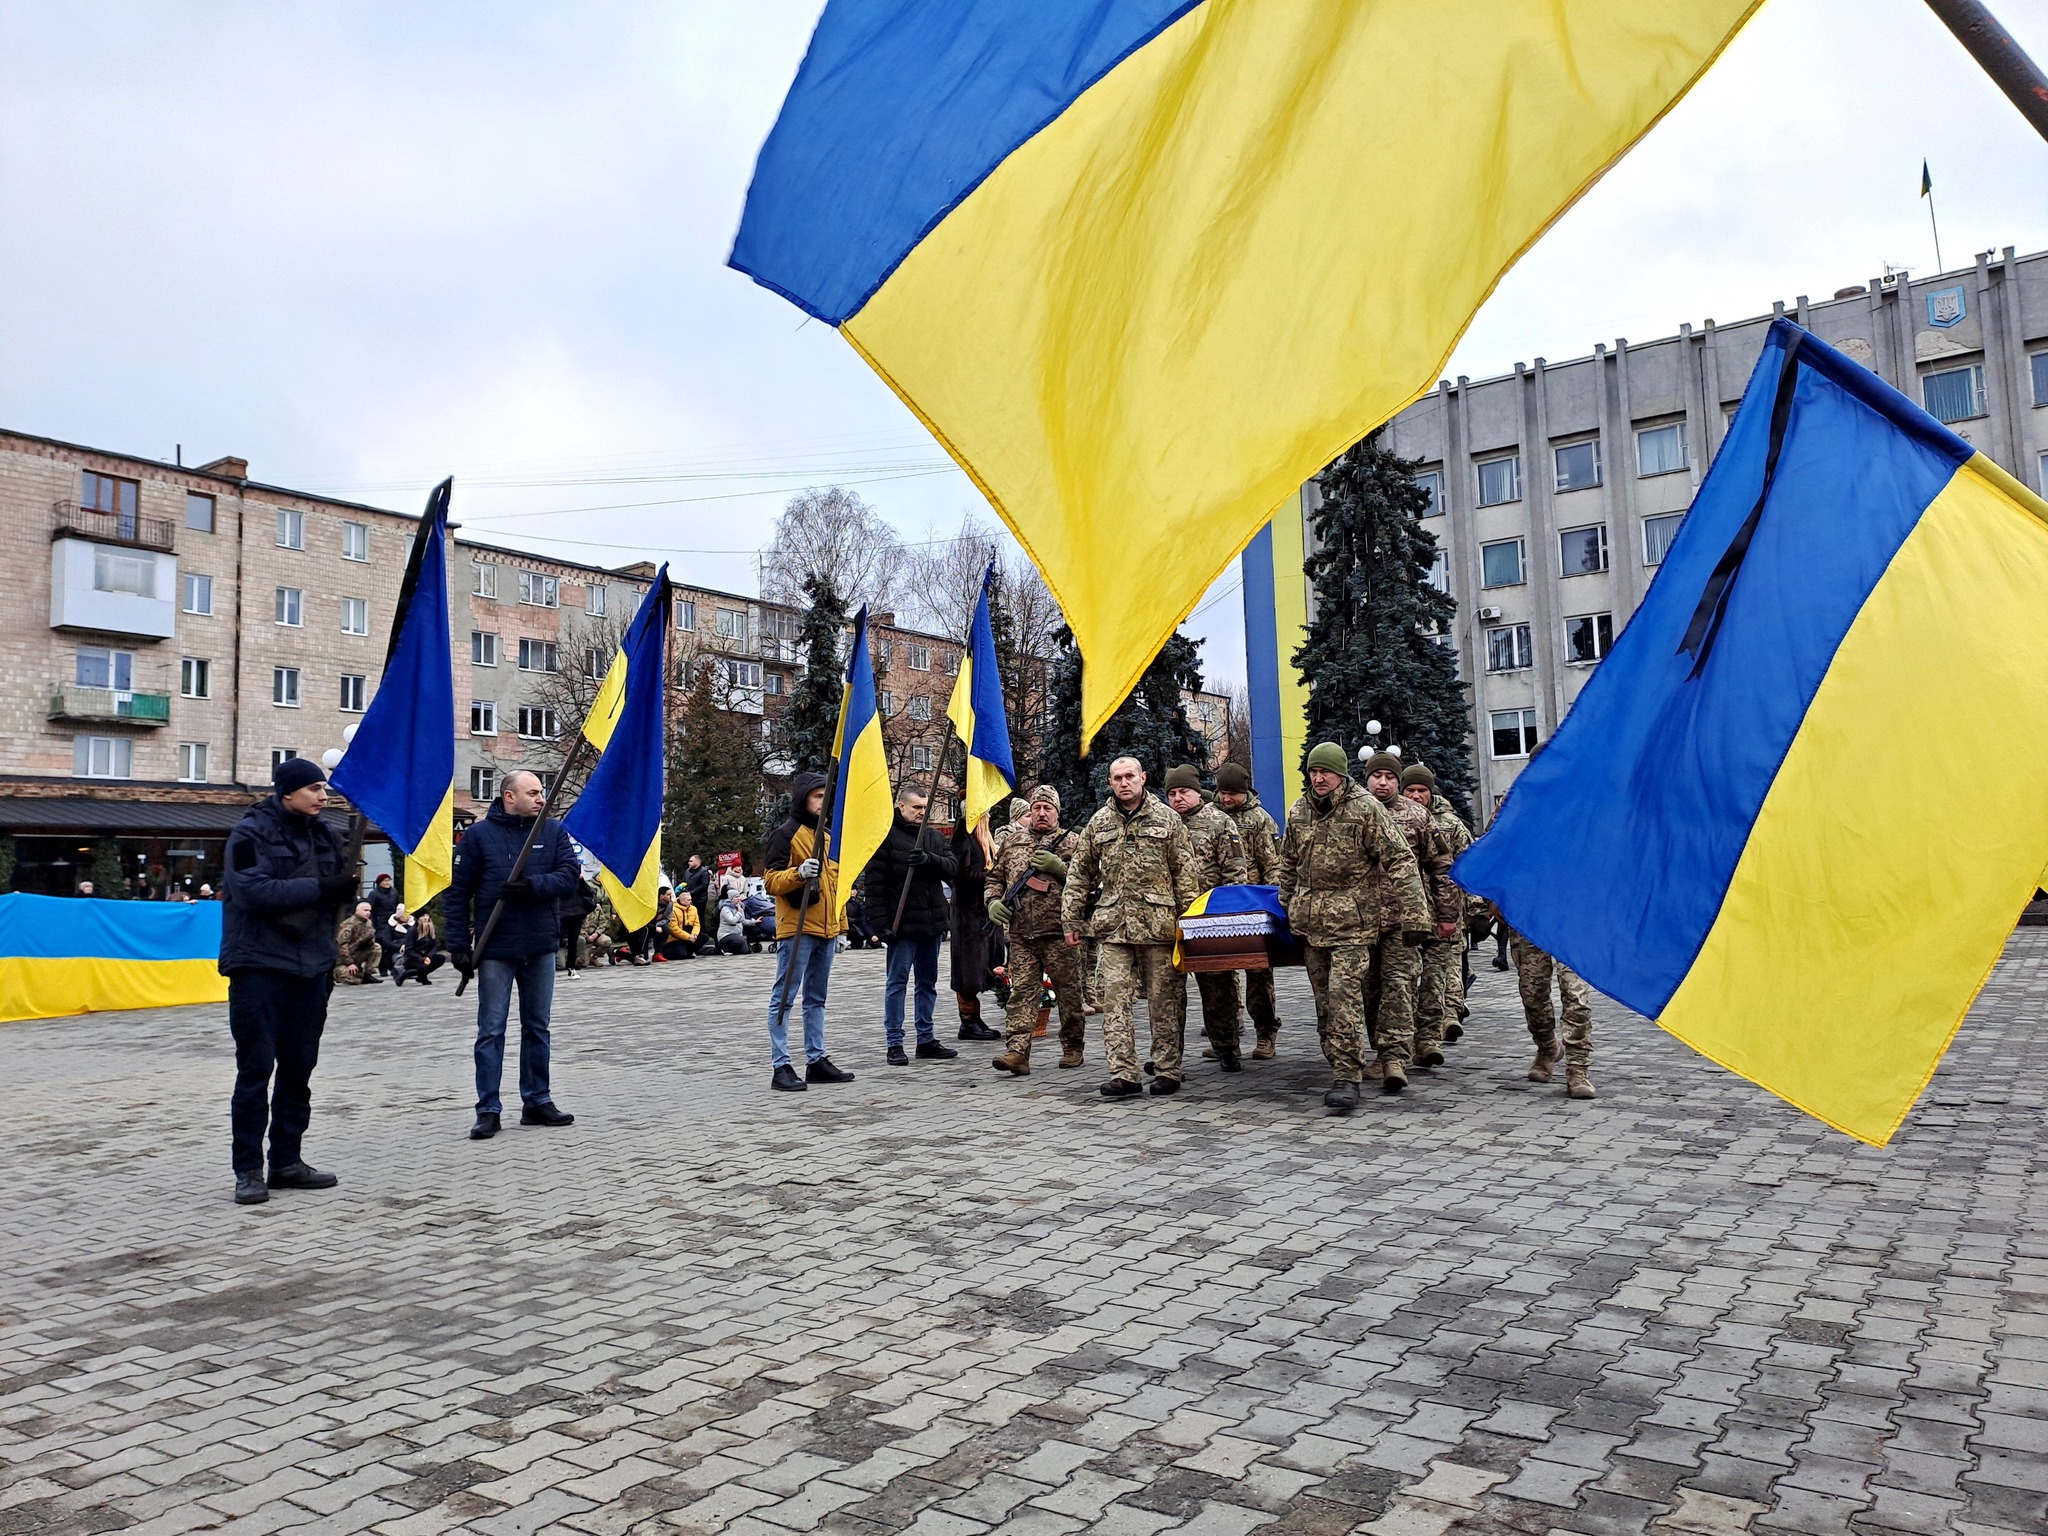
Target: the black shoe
(974, 1029)
(931, 1050)
(1454, 1032)
(1430, 1058)
(250, 1188)
(897, 1058)
(1500, 962)
(545, 1114)
(299, 1176)
(485, 1128)
(1342, 1098)
(1120, 1088)
(1162, 1086)
(1228, 1061)
(426, 981)
(822, 1071)
(1150, 1069)
(786, 1080)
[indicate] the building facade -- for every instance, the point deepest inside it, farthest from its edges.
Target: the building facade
(1557, 488)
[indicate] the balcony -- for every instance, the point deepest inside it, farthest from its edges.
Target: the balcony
(68, 520)
(783, 652)
(108, 706)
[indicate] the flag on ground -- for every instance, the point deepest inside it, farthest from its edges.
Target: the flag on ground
(1798, 809)
(617, 818)
(1145, 267)
(977, 714)
(863, 805)
(400, 769)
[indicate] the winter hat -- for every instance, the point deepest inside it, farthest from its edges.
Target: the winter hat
(1018, 808)
(1329, 756)
(294, 774)
(1231, 779)
(1415, 774)
(1380, 762)
(1183, 776)
(1044, 792)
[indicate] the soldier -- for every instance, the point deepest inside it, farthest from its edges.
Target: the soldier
(1219, 860)
(1261, 840)
(1341, 847)
(1026, 884)
(1139, 852)
(1398, 964)
(1533, 970)
(1437, 999)
(356, 946)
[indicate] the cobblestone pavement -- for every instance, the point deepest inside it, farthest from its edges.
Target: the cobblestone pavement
(942, 1302)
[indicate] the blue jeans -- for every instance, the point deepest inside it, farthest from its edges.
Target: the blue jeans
(802, 965)
(903, 954)
(494, 978)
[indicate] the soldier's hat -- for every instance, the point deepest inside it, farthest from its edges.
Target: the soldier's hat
(1231, 779)
(1183, 776)
(1380, 762)
(1044, 792)
(1415, 774)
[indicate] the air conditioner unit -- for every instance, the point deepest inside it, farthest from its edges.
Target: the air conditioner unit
(1489, 614)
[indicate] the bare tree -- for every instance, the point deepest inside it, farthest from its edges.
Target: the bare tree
(944, 579)
(1239, 749)
(834, 534)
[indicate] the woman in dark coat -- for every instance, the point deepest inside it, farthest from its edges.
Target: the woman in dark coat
(978, 946)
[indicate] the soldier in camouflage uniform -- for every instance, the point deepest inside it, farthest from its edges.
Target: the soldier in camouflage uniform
(1219, 860)
(1139, 853)
(1533, 971)
(1035, 853)
(1399, 964)
(1341, 858)
(1442, 989)
(1261, 839)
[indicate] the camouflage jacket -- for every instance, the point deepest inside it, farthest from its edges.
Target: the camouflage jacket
(1219, 850)
(1034, 914)
(1432, 859)
(1261, 841)
(1456, 837)
(1339, 864)
(356, 944)
(1145, 866)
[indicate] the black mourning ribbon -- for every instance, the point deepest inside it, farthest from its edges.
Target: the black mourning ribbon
(1701, 633)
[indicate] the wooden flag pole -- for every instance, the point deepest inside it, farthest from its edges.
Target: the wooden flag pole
(525, 848)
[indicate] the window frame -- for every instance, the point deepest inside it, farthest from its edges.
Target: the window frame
(1433, 481)
(743, 673)
(2037, 369)
(1680, 437)
(542, 716)
(120, 757)
(1526, 726)
(191, 668)
(1479, 469)
(1677, 521)
(291, 528)
(483, 783)
(355, 685)
(549, 651)
(195, 500)
(287, 681)
(1606, 554)
(919, 658)
(106, 558)
(738, 617)
(1558, 450)
(281, 755)
(483, 642)
(919, 707)
(1603, 637)
(596, 599)
(483, 717)
(1521, 640)
(191, 755)
(483, 579)
(362, 608)
(686, 614)
(89, 482)
(1521, 547)
(549, 588)
(190, 582)
(355, 533)
(115, 661)
(1980, 401)
(289, 600)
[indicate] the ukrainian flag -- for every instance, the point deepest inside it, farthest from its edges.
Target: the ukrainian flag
(618, 815)
(61, 956)
(1145, 266)
(400, 769)
(1797, 811)
(863, 805)
(977, 714)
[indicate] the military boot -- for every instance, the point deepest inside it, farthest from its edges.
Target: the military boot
(1376, 1069)
(1430, 1057)
(1264, 1050)
(1546, 1056)
(1070, 1056)
(1016, 1063)
(1577, 1083)
(1393, 1077)
(1454, 1032)
(1341, 1098)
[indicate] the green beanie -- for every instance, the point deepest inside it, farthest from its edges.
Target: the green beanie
(1183, 776)
(1382, 762)
(1328, 755)
(1415, 774)
(1231, 779)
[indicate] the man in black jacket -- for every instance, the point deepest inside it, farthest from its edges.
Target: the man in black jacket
(697, 881)
(913, 851)
(522, 948)
(287, 875)
(383, 899)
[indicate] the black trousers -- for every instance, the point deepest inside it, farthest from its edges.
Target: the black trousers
(276, 1019)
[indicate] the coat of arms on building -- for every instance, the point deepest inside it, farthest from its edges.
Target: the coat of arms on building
(1946, 306)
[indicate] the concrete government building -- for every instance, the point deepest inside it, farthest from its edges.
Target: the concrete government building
(1559, 486)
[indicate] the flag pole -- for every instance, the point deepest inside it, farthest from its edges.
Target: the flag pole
(821, 849)
(525, 848)
(1927, 191)
(1992, 46)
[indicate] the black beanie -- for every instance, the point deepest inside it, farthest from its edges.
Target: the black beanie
(294, 774)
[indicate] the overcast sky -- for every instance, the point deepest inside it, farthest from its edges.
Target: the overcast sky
(365, 245)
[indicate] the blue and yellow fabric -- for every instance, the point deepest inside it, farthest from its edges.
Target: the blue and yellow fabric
(617, 818)
(400, 769)
(60, 956)
(1275, 627)
(1248, 901)
(1145, 266)
(978, 716)
(863, 806)
(1797, 811)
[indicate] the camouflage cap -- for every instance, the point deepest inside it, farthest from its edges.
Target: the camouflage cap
(1045, 793)
(1017, 809)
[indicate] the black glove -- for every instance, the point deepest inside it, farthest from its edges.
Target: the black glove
(463, 961)
(515, 883)
(337, 886)
(918, 856)
(1415, 938)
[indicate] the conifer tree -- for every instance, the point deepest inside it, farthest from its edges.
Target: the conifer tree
(1377, 648)
(714, 776)
(812, 719)
(1151, 725)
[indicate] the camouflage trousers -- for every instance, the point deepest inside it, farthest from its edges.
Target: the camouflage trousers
(1052, 957)
(1390, 991)
(1338, 975)
(1091, 974)
(1258, 1002)
(1222, 1020)
(1533, 971)
(1127, 971)
(1442, 989)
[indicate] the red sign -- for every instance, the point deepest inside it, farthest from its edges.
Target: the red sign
(728, 861)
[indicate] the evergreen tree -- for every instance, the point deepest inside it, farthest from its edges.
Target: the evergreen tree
(714, 777)
(1373, 651)
(1151, 725)
(108, 874)
(812, 719)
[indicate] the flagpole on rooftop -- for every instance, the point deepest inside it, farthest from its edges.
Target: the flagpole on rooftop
(1992, 46)
(1927, 191)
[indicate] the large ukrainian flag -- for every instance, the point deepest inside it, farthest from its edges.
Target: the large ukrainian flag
(1145, 266)
(977, 714)
(400, 769)
(618, 815)
(1796, 813)
(863, 806)
(60, 956)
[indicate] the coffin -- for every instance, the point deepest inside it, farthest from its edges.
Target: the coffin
(1236, 941)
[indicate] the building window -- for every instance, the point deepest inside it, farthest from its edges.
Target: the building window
(284, 687)
(539, 656)
(199, 518)
(192, 762)
(104, 493)
(743, 674)
(1514, 732)
(594, 600)
(483, 783)
(886, 704)
(290, 606)
(483, 580)
(596, 664)
(1955, 394)
(102, 757)
(538, 591)
(1588, 638)
(1507, 648)
(1582, 551)
(1439, 573)
(291, 529)
(195, 678)
(920, 707)
(97, 668)
(354, 689)
(920, 658)
(772, 682)
(1661, 450)
(951, 662)
(732, 624)
(1500, 480)
(538, 722)
(1578, 465)
(920, 759)
(1432, 481)
(483, 717)
(2039, 363)
(198, 594)
(686, 613)
(280, 755)
(1658, 532)
(483, 648)
(1500, 564)
(123, 571)
(355, 615)
(355, 541)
